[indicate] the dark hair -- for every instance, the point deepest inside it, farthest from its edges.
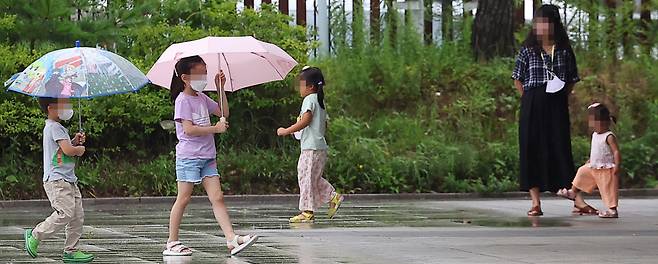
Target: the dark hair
(314, 77)
(183, 66)
(44, 102)
(552, 13)
(601, 113)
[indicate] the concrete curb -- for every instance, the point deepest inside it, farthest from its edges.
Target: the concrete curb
(624, 193)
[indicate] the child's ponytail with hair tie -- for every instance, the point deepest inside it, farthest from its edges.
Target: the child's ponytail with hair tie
(601, 112)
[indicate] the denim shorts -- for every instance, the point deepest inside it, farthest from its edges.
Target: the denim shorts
(194, 170)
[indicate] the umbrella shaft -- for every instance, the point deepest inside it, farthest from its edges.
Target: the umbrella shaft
(80, 116)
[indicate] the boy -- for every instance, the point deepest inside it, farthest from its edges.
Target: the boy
(60, 183)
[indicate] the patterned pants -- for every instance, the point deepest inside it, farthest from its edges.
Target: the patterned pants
(314, 191)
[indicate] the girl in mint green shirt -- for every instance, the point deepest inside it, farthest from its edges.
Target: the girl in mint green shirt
(312, 122)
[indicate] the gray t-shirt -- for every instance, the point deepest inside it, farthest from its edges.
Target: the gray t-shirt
(313, 134)
(56, 164)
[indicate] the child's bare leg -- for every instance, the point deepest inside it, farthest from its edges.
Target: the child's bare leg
(214, 190)
(579, 201)
(182, 199)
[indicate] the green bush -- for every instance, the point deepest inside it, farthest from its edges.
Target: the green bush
(404, 116)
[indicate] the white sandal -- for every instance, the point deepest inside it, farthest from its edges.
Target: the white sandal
(567, 194)
(176, 248)
(235, 247)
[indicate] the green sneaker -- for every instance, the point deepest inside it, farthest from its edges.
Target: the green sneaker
(31, 243)
(77, 257)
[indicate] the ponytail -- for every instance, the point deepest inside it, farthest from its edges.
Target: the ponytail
(177, 86)
(321, 95)
(183, 66)
(313, 76)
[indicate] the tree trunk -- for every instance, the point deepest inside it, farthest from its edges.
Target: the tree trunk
(519, 18)
(466, 21)
(375, 24)
(427, 21)
(593, 37)
(301, 12)
(493, 29)
(627, 41)
(357, 24)
(249, 3)
(391, 22)
(645, 22)
(283, 7)
(446, 20)
(611, 17)
(535, 5)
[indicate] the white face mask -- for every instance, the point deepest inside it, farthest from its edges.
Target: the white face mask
(199, 85)
(65, 114)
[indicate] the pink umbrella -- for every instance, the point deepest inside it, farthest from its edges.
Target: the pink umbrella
(246, 61)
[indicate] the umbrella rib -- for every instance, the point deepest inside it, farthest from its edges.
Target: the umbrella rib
(83, 59)
(268, 61)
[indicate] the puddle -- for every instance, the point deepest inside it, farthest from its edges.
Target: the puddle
(514, 222)
(111, 230)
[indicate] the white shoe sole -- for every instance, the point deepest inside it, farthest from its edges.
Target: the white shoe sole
(170, 253)
(245, 245)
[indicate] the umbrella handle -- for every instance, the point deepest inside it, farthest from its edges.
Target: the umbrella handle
(221, 99)
(221, 89)
(80, 117)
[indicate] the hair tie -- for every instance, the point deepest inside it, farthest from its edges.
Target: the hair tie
(593, 105)
(306, 68)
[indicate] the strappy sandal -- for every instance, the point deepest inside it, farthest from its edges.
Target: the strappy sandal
(610, 213)
(567, 194)
(587, 210)
(176, 248)
(334, 204)
(303, 217)
(535, 211)
(236, 247)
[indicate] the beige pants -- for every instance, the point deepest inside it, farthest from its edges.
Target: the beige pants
(314, 191)
(66, 200)
(587, 179)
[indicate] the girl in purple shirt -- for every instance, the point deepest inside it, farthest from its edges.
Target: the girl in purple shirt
(195, 152)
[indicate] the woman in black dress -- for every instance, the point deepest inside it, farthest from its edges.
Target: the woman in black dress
(545, 72)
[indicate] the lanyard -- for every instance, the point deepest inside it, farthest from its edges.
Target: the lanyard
(552, 59)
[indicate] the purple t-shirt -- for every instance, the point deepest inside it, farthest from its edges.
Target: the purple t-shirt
(198, 110)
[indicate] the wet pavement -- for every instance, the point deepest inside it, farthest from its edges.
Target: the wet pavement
(372, 231)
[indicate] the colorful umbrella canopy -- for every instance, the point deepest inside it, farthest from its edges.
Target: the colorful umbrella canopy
(246, 61)
(79, 72)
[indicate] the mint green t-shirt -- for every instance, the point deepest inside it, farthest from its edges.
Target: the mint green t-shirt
(313, 135)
